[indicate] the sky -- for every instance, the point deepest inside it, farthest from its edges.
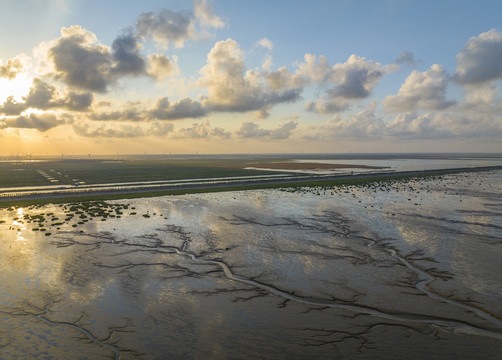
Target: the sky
(225, 76)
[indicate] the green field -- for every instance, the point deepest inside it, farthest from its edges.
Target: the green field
(102, 171)
(112, 171)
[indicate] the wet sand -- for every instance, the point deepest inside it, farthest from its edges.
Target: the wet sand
(406, 269)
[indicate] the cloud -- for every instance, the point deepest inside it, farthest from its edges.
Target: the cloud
(41, 95)
(352, 80)
(407, 125)
(284, 131)
(161, 67)
(127, 56)
(327, 105)
(202, 131)
(207, 18)
(406, 58)
(162, 109)
(13, 67)
(74, 101)
(355, 78)
(44, 96)
(444, 126)
(167, 27)
(41, 122)
(252, 130)
(128, 114)
(425, 90)
(11, 107)
(122, 130)
(315, 69)
(416, 126)
(220, 132)
(363, 124)
(480, 60)
(482, 100)
(231, 88)
(181, 109)
(282, 78)
(80, 62)
(265, 43)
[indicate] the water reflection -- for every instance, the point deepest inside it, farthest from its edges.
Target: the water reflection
(356, 272)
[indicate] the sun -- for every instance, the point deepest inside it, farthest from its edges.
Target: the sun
(17, 87)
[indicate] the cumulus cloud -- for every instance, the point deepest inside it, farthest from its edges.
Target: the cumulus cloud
(406, 58)
(44, 96)
(282, 78)
(79, 61)
(443, 125)
(206, 16)
(231, 88)
(316, 69)
(181, 109)
(161, 67)
(482, 100)
(74, 101)
(41, 122)
(127, 56)
(413, 125)
(127, 114)
(41, 95)
(363, 124)
(162, 109)
(352, 80)
(265, 43)
(252, 130)
(168, 27)
(202, 131)
(355, 78)
(13, 67)
(480, 60)
(327, 105)
(426, 90)
(284, 131)
(12, 107)
(407, 125)
(122, 130)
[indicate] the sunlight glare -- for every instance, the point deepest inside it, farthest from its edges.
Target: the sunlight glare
(17, 87)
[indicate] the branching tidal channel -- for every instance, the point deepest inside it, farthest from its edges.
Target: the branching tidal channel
(155, 244)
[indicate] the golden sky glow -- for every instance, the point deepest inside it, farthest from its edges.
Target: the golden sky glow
(201, 78)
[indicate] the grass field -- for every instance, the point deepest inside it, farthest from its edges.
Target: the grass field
(102, 171)
(375, 181)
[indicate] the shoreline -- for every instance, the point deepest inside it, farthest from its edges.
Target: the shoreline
(186, 188)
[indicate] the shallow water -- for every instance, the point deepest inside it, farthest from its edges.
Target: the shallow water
(410, 163)
(389, 271)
